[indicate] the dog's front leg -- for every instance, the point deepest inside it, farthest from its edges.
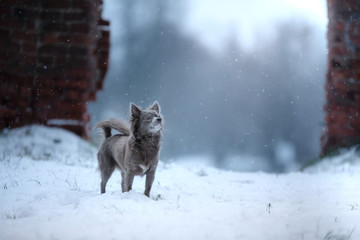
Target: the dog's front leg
(150, 176)
(127, 181)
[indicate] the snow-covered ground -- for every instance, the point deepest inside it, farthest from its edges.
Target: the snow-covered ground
(49, 189)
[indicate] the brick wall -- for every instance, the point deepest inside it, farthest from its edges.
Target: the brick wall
(343, 77)
(53, 59)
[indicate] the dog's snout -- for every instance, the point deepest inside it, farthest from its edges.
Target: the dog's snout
(159, 119)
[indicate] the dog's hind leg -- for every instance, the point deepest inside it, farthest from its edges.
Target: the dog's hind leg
(107, 167)
(105, 175)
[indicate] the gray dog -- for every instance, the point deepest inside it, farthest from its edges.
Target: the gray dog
(135, 151)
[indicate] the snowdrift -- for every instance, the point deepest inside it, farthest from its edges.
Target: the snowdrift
(49, 189)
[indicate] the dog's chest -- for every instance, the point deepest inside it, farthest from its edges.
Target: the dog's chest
(144, 168)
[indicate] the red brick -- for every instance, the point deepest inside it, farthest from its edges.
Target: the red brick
(15, 24)
(79, 84)
(50, 38)
(105, 34)
(79, 74)
(350, 5)
(339, 51)
(339, 26)
(103, 62)
(341, 84)
(4, 22)
(10, 45)
(7, 112)
(5, 11)
(80, 39)
(74, 62)
(62, 60)
(28, 47)
(355, 64)
(29, 24)
(336, 38)
(73, 95)
(83, 4)
(103, 44)
(354, 121)
(342, 130)
(28, 36)
(45, 92)
(71, 107)
(357, 97)
(78, 50)
(23, 104)
(63, 4)
(28, 3)
(4, 34)
(55, 26)
(80, 28)
(356, 75)
(25, 92)
(337, 117)
(11, 102)
(92, 95)
(45, 60)
(2, 122)
(337, 74)
(103, 22)
(76, 16)
(29, 59)
(355, 39)
(102, 52)
(8, 90)
(49, 49)
(353, 111)
(51, 15)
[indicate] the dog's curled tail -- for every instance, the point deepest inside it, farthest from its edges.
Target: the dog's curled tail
(116, 124)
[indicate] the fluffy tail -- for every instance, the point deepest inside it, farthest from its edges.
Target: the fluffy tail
(116, 124)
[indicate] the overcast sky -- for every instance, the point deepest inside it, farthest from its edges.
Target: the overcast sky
(213, 20)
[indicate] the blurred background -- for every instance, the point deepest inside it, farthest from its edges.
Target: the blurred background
(240, 83)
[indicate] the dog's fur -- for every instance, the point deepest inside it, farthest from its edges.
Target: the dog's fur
(135, 151)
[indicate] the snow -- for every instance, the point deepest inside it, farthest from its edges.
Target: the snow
(49, 189)
(60, 122)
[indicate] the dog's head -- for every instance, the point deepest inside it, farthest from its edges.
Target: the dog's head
(146, 122)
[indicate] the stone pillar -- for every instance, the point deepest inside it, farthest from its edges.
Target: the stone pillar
(342, 128)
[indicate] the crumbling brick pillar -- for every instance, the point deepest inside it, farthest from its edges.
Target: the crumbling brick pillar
(53, 59)
(342, 87)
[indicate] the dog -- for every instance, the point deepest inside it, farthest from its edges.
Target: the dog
(135, 152)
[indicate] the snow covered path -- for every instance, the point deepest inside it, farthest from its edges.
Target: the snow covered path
(53, 200)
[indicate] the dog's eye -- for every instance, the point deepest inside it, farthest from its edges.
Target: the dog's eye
(148, 118)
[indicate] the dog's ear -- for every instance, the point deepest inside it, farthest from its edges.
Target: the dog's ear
(155, 107)
(134, 110)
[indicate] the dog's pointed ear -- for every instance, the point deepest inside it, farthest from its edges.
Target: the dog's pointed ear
(155, 107)
(134, 110)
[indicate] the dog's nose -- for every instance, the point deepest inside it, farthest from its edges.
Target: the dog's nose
(159, 119)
